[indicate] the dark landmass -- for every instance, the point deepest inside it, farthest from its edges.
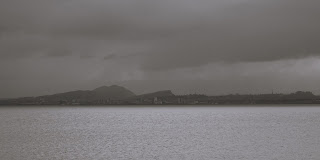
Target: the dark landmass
(117, 95)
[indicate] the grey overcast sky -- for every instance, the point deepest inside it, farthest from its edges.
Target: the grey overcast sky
(208, 46)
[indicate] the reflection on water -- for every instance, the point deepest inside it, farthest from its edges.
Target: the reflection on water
(247, 133)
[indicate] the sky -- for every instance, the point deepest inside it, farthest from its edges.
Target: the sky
(188, 46)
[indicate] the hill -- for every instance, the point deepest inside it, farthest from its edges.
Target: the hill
(105, 94)
(114, 92)
(165, 93)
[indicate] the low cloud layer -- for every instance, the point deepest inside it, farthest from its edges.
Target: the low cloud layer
(133, 39)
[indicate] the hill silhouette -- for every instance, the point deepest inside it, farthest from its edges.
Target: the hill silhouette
(120, 95)
(101, 95)
(165, 93)
(104, 92)
(114, 91)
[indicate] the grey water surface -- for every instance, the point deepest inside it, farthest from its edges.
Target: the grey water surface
(213, 133)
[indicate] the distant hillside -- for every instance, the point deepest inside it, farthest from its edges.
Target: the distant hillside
(104, 92)
(165, 93)
(103, 95)
(117, 95)
(114, 91)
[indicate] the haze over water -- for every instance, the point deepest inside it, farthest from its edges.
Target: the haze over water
(249, 133)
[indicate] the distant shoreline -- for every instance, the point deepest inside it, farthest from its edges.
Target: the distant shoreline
(117, 96)
(172, 105)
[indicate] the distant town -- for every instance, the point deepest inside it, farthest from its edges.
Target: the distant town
(117, 95)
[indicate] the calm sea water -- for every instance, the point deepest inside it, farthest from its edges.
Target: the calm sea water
(213, 133)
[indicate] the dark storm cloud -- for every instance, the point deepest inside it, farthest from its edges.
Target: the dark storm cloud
(18, 44)
(91, 41)
(23, 45)
(253, 31)
(122, 56)
(192, 33)
(110, 56)
(59, 52)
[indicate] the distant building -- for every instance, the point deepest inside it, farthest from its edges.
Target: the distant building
(156, 101)
(181, 101)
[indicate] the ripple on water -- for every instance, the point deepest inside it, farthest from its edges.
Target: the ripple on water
(159, 133)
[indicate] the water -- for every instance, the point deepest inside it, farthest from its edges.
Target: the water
(248, 133)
